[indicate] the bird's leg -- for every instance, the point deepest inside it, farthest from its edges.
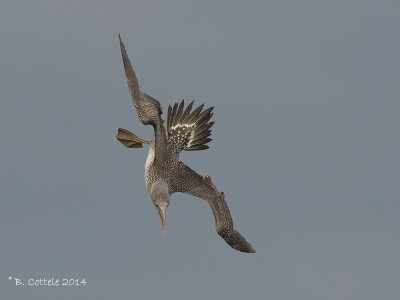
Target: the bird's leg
(129, 139)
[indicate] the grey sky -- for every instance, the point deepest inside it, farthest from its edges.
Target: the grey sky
(305, 147)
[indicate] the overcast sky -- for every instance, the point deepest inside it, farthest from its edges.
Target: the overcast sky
(305, 146)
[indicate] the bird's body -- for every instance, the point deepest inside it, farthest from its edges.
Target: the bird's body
(164, 173)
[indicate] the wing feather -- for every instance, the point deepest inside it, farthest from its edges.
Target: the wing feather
(188, 181)
(148, 109)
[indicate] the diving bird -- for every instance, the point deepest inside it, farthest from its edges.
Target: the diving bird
(188, 130)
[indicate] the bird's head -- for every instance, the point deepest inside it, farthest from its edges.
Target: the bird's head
(160, 197)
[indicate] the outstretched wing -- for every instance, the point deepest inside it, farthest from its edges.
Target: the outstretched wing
(188, 181)
(189, 130)
(148, 109)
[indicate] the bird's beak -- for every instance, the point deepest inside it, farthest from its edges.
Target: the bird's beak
(161, 209)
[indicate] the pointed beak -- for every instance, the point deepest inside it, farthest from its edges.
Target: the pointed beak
(161, 209)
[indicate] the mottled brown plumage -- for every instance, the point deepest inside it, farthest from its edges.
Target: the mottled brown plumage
(164, 173)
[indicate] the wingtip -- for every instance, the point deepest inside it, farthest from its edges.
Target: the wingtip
(238, 242)
(121, 43)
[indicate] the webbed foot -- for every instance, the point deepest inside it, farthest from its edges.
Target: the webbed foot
(129, 139)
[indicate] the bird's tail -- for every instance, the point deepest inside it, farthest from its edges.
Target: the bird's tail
(190, 130)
